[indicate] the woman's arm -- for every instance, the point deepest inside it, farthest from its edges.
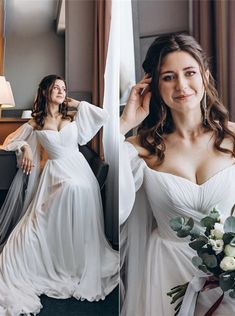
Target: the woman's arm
(137, 107)
(73, 104)
(18, 142)
(27, 159)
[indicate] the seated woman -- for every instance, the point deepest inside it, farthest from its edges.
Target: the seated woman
(58, 246)
(180, 163)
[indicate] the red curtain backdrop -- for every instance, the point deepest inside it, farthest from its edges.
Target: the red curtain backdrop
(101, 36)
(214, 28)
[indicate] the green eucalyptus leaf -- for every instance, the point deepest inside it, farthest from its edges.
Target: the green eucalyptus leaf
(201, 252)
(203, 268)
(226, 275)
(186, 228)
(210, 260)
(226, 283)
(228, 237)
(177, 223)
(195, 232)
(190, 223)
(197, 244)
(197, 261)
(232, 242)
(203, 238)
(229, 225)
(208, 222)
(183, 233)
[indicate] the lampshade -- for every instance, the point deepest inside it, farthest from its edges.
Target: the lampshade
(6, 96)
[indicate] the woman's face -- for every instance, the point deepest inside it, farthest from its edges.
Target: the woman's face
(58, 92)
(180, 82)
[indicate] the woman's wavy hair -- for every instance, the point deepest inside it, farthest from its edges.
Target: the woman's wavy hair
(160, 121)
(40, 106)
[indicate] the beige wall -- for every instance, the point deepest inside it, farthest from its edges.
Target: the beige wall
(154, 17)
(79, 47)
(161, 16)
(28, 60)
(32, 50)
(36, 52)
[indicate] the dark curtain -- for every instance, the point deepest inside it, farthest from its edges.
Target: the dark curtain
(214, 28)
(101, 36)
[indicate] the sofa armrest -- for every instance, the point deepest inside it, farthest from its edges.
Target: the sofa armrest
(99, 167)
(8, 168)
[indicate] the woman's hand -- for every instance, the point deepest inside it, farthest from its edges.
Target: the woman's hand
(72, 103)
(27, 160)
(137, 107)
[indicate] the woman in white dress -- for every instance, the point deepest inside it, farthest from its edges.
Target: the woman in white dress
(180, 163)
(57, 246)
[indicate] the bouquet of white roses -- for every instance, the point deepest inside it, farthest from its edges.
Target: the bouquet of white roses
(215, 247)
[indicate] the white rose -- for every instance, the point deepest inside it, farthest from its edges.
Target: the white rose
(227, 264)
(217, 245)
(218, 231)
(229, 251)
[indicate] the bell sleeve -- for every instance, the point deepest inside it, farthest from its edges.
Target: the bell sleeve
(16, 140)
(89, 119)
(130, 177)
(23, 187)
(136, 221)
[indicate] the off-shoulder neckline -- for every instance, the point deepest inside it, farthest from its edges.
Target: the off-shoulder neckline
(187, 180)
(50, 130)
(179, 177)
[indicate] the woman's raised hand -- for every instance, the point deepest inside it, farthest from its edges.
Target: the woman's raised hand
(27, 160)
(73, 103)
(137, 107)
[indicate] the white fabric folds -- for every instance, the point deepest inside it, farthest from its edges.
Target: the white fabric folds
(91, 116)
(136, 225)
(18, 199)
(153, 258)
(58, 248)
(190, 297)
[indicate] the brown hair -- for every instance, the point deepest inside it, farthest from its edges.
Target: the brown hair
(160, 121)
(39, 112)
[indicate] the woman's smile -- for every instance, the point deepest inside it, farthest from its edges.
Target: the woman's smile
(183, 97)
(180, 82)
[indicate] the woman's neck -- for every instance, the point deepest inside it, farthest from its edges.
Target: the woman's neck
(53, 110)
(188, 126)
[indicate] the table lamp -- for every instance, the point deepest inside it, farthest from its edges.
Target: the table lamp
(6, 96)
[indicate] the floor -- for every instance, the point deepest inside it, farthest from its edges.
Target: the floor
(72, 307)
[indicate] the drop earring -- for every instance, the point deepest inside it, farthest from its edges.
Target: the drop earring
(159, 127)
(163, 108)
(205, 111)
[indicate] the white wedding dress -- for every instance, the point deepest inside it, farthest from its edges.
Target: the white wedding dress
(58, 248)
(154, 258)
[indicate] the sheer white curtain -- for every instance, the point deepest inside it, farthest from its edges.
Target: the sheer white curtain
(110, 133)
(119, 78)
(127, 55)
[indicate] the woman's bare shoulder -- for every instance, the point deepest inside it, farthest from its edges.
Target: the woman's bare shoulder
(135, 141)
